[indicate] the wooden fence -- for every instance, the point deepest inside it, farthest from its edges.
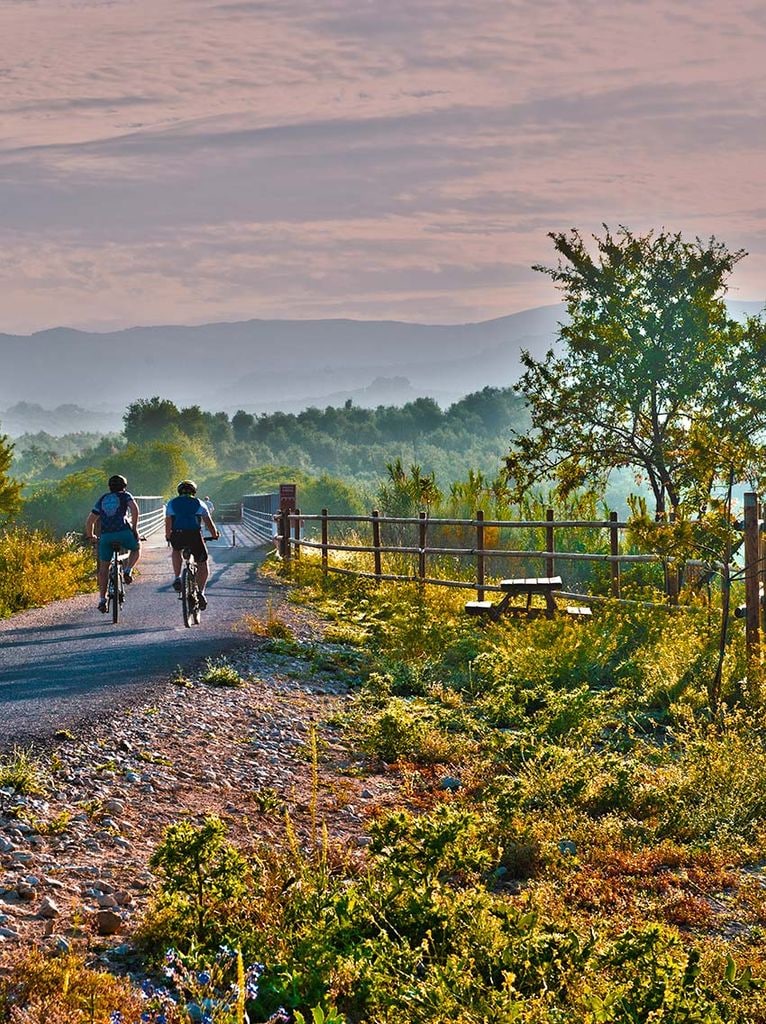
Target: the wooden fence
(292, 538)
(296, 532)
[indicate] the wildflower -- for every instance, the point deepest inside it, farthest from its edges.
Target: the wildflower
(281, 1016)
(206, 1019)
(252, 977)
(204, 977)
(147, 988)
(115, 1017)
(171, 963)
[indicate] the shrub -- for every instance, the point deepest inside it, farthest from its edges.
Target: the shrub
(203, 881)
(36, 569)
(219, 672)
(24, 774)
(40, 989)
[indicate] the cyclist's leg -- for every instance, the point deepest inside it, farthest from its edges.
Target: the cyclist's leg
(199, 550)
(133, 546)
(103, 578)
(176, 545)
(202, 575)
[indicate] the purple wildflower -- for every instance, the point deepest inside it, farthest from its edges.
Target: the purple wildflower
(204, 977)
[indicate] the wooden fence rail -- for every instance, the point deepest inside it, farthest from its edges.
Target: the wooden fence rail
(291, 539)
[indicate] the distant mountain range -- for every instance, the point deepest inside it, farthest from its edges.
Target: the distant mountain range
(63, 380)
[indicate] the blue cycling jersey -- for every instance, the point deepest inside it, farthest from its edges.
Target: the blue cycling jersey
(187, 512)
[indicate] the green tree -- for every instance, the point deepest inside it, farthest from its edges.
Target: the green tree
(242, 424)
(64, 505)
(149, 419)
(652, 374)
(10, 489)
(406, 494)
(150, 468)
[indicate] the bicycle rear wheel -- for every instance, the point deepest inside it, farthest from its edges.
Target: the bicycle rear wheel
(114, 588)
(187, 595)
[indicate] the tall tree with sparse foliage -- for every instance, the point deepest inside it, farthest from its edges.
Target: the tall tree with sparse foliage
(651, 374)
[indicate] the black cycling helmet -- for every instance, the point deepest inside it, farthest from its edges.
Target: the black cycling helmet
(117, 483)
(187, 487)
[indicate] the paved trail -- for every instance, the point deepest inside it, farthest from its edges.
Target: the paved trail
(67, 663)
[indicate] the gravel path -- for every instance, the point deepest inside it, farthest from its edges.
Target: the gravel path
(74, 863)
(67, 664)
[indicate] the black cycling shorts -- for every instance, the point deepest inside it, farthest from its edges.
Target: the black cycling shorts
(191, 539)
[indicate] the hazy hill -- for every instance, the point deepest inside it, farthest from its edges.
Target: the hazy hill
(268, 364)
(261, 365)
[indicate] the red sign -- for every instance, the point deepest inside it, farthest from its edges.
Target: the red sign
(287, 497)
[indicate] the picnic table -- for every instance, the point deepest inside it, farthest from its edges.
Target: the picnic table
(529, 586)
(525, 586)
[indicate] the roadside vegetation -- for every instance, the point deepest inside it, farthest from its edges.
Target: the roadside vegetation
(578, 832)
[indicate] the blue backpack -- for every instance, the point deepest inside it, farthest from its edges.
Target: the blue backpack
(113, 510)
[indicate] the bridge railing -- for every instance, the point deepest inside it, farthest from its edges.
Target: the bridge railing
(151, 509)
(258, 512)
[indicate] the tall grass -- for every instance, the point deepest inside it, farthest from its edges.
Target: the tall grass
(35, 568)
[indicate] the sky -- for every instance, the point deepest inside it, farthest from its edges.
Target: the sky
(185, 161)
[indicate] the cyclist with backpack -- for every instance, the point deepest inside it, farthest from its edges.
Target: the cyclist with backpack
(114, 520)
(184, 516)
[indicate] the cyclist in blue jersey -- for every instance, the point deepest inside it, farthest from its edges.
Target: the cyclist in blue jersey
(114, 520)
(184, 516)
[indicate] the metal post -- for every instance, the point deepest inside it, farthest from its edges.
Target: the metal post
(479, 555)
(376, 543)
(422, 546)
(550, 564)
(324, 541)
(614, 549)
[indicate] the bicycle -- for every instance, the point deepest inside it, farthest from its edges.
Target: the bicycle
(191, 606)
(115, 591)
(190, 592)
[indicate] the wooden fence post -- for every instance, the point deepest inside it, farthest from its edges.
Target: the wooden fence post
(422, 546)
(297, 514)
(550, 564)
(376, 543)
(614, 550)
(324, 541)
(752, 592)
(479, 555)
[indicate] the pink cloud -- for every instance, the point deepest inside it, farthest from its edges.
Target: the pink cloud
(343, 158)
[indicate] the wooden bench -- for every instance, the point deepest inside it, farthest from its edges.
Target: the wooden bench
(545, 585)
(578, 612)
